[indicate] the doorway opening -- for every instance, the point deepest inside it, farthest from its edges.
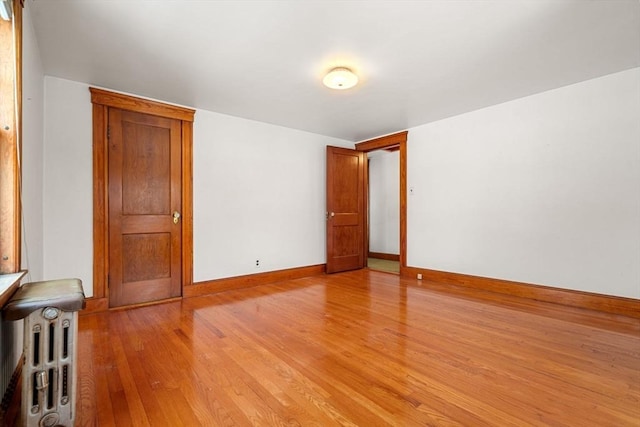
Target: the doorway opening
(347, 203)
(384, 210)
(380, 246)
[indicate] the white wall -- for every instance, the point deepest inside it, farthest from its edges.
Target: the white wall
(68, 191)
(259, 194)
(544, 189)
(384, 202)
(258, 191)
(32, 147)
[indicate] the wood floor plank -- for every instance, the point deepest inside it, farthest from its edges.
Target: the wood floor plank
(104, 369)
(360, 348)
(87, 407)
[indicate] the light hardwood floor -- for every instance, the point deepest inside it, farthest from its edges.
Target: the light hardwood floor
(361, 348)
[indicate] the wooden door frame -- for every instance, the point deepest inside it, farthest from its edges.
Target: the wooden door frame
(102, 100)
(387, 142)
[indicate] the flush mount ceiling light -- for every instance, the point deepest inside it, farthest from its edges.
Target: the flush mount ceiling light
(340, 78)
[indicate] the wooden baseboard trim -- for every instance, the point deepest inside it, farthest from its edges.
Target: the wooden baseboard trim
(382, 255)
(250, 280)
(95, 305)
(144, 304)
(592, 301)
(10, 407)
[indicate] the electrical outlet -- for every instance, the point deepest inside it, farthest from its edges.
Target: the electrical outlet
(419, 276)
(257, 263)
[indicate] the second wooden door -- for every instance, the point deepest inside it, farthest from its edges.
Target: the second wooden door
(345, 209)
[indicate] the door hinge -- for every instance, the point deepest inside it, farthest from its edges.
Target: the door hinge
(108, 132)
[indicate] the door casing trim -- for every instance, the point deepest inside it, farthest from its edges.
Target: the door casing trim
(102, 100)
(389, 142)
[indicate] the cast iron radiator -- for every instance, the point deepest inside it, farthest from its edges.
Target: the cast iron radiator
(50, 312)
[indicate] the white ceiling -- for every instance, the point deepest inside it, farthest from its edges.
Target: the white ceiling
(418, 61)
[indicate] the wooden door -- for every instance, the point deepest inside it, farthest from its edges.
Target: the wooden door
(145, 176)
(345, 209)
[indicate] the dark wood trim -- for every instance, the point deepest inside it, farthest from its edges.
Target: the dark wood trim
(17, 221)
(385, 142)
(397, 139)
(99, 305)
(250, 280)
(187, 203)
(100, 203)
(403, 203)
(381, 255)
(140, 105)
(11, 140)
(365, 219)
(10, 407)
(580, 299)
(95, 305)
(102, 100)
(145, 304)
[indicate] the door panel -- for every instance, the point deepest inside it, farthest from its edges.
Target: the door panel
(146, 170)
(345, 209)
(144, 241)
(146, 256)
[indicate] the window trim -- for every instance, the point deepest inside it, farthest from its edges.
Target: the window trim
(10, 141)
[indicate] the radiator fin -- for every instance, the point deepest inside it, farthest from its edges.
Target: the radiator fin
(51, 389)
